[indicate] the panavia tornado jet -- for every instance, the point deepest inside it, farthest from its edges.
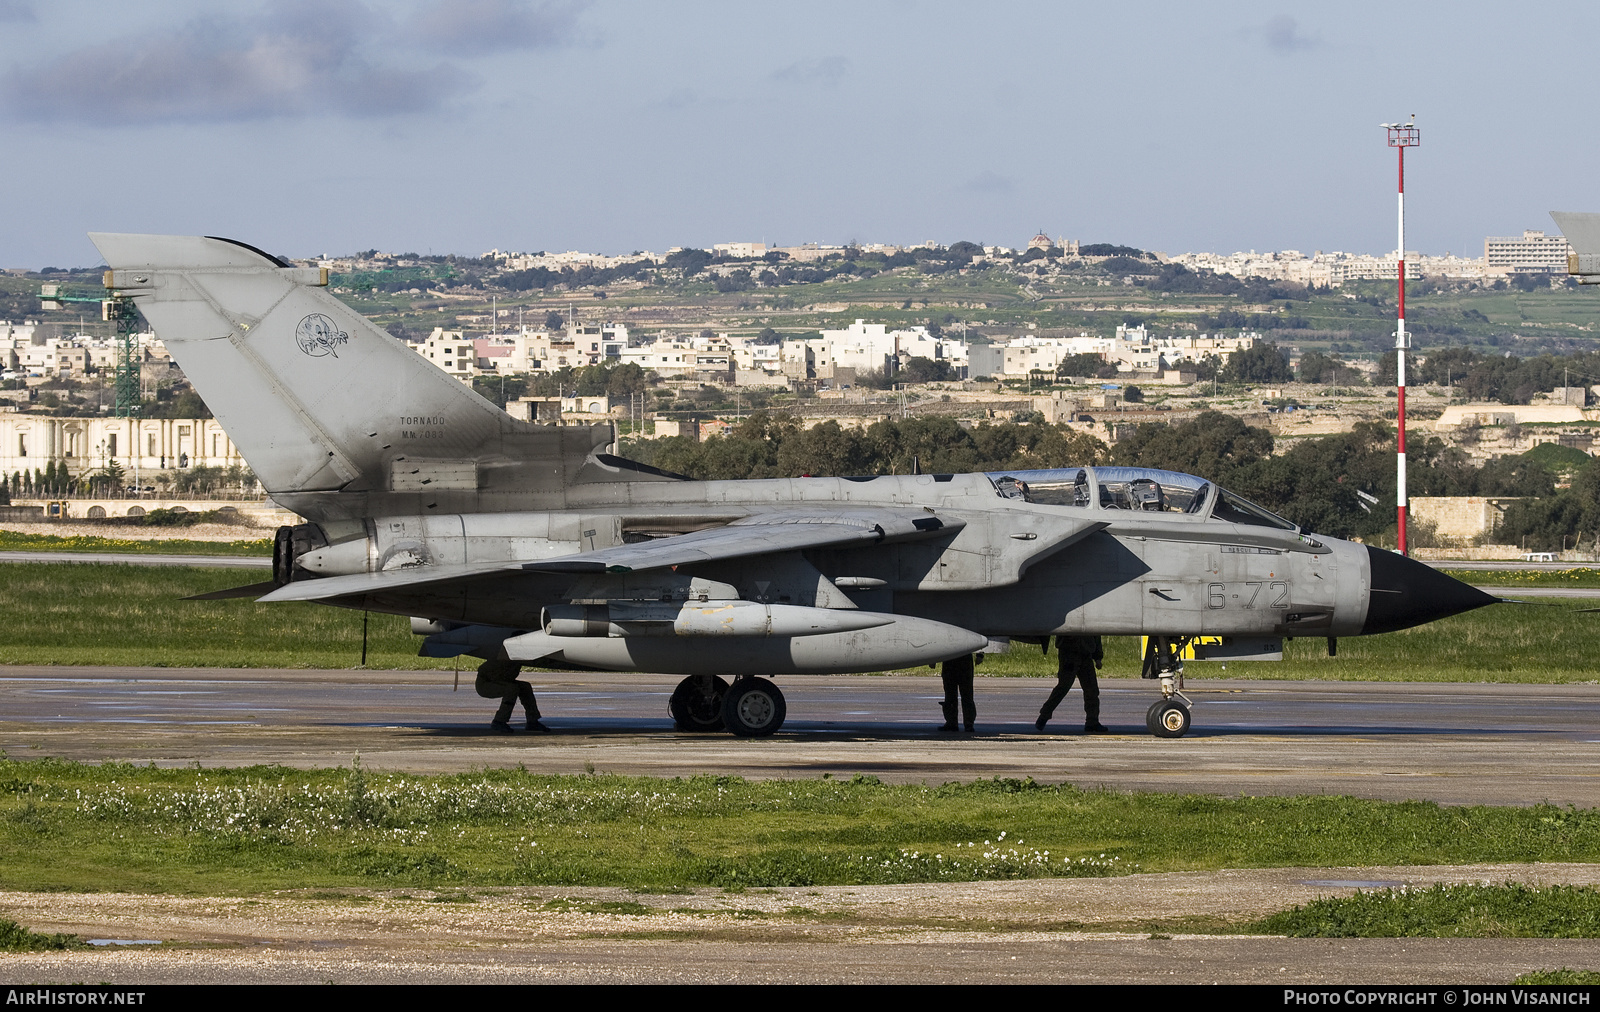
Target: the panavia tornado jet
(528, 544)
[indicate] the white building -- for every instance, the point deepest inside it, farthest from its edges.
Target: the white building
(25, 353)
(1532, 252)
(864, 346)
(681, 356)
(571, 258)
(527, 351)
(1331, 269)
(29, 442)
(807, 252)
(739, 250)
(1132, 349)
(451, 351)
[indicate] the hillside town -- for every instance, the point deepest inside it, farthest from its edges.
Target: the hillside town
(698, 377)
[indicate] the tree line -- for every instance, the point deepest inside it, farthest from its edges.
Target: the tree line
(1313, 483)
(1505, 377)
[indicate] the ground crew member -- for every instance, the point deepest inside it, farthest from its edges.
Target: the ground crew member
(497, 679)
(957, 677)
(1079, 657)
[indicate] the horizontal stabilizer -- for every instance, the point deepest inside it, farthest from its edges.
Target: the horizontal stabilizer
(331, 587)
(253, 590)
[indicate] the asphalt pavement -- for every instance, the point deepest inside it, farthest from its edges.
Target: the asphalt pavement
(140, 559)
(1451, 743)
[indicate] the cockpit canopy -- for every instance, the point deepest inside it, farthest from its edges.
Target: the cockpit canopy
(1138, 489)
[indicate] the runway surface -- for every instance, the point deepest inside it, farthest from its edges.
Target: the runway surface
(1456, 744)
(138, 559)
(1519, 593)
(1504, 565)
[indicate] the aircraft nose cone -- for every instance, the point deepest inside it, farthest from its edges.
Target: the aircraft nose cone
(1407, 593)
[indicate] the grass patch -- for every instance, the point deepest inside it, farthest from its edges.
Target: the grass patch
(1446, 911)
(13, 541)
(1561, 976)
(1584, 578)
(92, 613)
(108, 614)
(116, 827)
(16, 938)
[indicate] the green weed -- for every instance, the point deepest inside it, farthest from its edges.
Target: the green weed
(16, 938)
(14, 541)
(237, 831)
(1561, 976)
(1446, 911)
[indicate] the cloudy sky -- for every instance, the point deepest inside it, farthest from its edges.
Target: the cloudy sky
(464, 125)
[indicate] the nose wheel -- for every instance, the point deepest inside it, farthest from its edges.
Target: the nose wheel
(1167, 718)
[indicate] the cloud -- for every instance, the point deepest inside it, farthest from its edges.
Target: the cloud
(1283, 35)
(295, 58)
(16, 10)
(988, 182)
(825, 72)
(479, 27)
(680, 98)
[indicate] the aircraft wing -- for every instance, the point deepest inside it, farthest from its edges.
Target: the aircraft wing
(761, 534)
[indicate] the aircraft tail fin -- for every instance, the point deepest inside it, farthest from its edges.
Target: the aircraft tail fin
(1582, 232)
(317, 398)
(1581, 229)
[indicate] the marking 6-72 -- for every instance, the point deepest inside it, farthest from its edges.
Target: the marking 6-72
(1251, 595)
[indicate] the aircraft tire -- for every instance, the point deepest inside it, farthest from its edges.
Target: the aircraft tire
(753, 708)
(690, 709)
(1167, 718)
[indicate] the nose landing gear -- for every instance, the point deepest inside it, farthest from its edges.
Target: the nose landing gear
(1168, 717)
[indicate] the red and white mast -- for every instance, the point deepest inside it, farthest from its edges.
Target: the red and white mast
(1402, 136)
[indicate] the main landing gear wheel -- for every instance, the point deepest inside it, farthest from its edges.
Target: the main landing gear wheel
(753, 708)
(1168, 718)
(696, 704)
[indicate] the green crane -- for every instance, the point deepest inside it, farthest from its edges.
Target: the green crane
(118, 310)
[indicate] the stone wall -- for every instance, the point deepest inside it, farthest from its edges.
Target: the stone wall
(1460, 518)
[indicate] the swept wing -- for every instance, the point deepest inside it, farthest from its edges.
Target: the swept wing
(761, 534)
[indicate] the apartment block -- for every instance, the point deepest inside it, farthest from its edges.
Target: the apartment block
(1531, 253)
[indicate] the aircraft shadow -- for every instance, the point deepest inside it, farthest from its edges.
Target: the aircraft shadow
(882, 732)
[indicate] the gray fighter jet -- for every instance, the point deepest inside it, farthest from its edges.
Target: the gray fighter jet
(530, 544)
